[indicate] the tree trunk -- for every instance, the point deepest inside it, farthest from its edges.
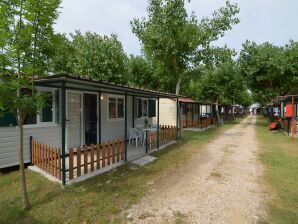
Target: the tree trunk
(178, 85)
(233, 109)
(26, 203)
(217, 112)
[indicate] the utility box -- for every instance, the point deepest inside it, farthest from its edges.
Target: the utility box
(289, 110)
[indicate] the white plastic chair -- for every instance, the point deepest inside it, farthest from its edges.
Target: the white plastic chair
(136, 135)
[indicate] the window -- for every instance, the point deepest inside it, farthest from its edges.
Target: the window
(116, 107)
(8, 119)
(120, 107)
(183, 108)
(46, 114)
(49, 113)
(142, 107)
(31, 119)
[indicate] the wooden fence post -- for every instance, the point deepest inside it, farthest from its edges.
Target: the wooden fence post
(49, 159)
(55, 161)
(122, 149)
(52, 161)
(85, 159)
(92, 157)
(109, 153)
(78, 161)
(103, 156)
(98, 156)
(59, 163)
(118, 150)
(113, 152)
(70, 163)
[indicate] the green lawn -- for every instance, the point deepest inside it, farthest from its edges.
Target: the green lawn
(280, 158)
(101, 199)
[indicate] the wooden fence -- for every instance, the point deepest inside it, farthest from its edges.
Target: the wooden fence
(93, 157)
(47, 158)
(190, 124)
(167, 134)
(205, 123)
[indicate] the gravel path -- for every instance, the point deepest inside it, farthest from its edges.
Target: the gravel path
(221, 184)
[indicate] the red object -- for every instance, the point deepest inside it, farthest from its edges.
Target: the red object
(289, 110)
(273, 126)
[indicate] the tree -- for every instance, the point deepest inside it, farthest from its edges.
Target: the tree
(172, 39)
(291, 55)
(210, 87)
(99, 57)
(264, 69)
(220, 80)
(233, 82)
(5, 33)
(244, 98)
(25, 49)
(141, 73)
(62, 57)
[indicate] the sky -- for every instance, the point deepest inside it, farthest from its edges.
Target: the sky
(275, 21)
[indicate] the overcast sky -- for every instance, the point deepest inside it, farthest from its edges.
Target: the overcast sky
(275, 21)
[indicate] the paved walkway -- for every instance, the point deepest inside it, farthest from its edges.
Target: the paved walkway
(219, 185)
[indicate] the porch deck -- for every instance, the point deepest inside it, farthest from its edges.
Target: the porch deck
(133, 153)
(84, 162)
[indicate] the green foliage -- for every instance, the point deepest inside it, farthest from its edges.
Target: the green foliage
(14, 100)
(26, 43)
(61, 61)
(25, 51)
(244, 98)
(221, 79)
(269, 70)
(99, 57)
(142, 73)
(172, 40)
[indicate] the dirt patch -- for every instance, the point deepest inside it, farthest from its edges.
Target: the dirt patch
(219, 185)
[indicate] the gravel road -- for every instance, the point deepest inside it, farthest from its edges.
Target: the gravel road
(220, 184)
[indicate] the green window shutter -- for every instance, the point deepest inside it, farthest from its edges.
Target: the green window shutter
(139, 107)
(8, 119)
(152, 108)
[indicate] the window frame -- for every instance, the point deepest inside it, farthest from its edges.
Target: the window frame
(116, 109)
(39, 123)
(39, 115)
(142, 103)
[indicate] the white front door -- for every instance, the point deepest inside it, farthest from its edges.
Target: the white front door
(74, 120)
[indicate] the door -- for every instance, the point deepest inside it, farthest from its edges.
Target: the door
(90, 118)
(74, 120)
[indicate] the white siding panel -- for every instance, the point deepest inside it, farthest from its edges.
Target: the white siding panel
(167, 112)
(114, 129)
(9, 142)
(110, 129)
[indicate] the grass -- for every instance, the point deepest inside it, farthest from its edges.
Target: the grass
(280, 158)
(101, 199)
(180, 218)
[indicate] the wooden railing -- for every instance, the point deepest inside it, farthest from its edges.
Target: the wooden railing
(205, 123)
(167, 134)
(190, 124)
(93, 157)
(214, 121)
(47, 158)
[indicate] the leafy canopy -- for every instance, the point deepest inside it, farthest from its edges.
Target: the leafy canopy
(172, 40)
